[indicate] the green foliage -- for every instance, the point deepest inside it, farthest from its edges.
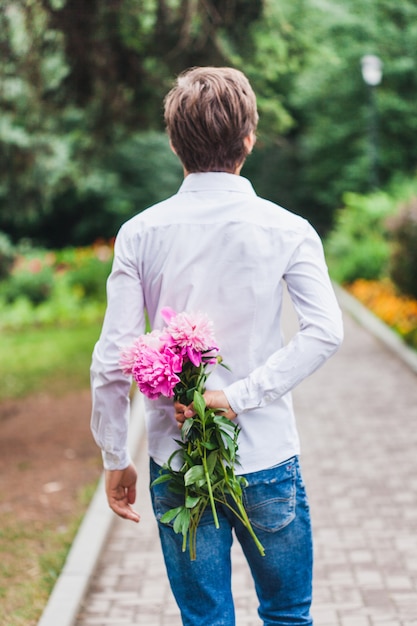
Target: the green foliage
(91, 278)
(359, 244)
(35, 147)
(137, 172)
(35, 286)
(403, 260)
(358, 247)
(271, 57)
(62, 289)
(209, 451)
(77, 167)
(64, 308)
(7, 255)
(71, 147)
(335, 141)
(145, 171)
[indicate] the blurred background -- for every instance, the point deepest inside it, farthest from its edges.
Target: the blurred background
(82, 143)
(83, 148)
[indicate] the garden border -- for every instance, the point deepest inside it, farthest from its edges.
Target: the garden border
(72, 585)
(379, 329)
(73, 582)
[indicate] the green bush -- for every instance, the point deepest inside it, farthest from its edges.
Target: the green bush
(36, 286)
(91, 278)
(49, 288)
(403, 259)
(358, 245)
(364, 260)
(133, 174)
(7, 255)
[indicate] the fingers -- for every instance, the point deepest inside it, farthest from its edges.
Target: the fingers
(218, 400)
(123, 509)
(182, 412)
(131, 494)
(121, 492)
(213, 399)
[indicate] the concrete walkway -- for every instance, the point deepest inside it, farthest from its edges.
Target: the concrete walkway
(357, 418)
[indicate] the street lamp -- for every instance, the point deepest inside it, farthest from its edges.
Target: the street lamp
(372, 75)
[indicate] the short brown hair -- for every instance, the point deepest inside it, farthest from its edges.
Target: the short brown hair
(208, 113)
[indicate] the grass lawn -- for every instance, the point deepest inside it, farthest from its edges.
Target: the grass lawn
(53, 360)
(33, 555)
(45, 359)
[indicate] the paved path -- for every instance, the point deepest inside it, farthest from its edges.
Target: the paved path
(358, 423)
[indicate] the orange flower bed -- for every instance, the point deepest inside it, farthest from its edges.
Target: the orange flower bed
(397, 311)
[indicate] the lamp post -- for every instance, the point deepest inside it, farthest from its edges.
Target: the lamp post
(372, 75)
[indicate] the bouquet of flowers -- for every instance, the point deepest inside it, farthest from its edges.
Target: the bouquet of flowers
(174, 363)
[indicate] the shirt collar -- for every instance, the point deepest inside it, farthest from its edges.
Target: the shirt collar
(216, 181)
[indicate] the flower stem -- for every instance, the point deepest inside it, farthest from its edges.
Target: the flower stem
(210, 491)
(247, 523)
(243, 515)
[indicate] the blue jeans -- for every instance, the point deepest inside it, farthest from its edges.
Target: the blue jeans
(277, 506)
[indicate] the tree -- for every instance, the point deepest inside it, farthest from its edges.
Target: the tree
(331, 103)
(81, 80)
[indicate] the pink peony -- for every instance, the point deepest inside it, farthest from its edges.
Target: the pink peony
(153, 364)
(130, 355)
(190, 334)
(167, 314)
(155, 371)
(156, 360)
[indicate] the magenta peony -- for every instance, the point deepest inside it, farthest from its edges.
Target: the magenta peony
(153, 364)
(190, 334)
(172, 361)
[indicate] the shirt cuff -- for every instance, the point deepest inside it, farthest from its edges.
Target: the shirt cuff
(112, 461)
(234, 393)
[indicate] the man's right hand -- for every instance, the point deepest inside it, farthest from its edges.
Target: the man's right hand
(213, 399)
(121, 492)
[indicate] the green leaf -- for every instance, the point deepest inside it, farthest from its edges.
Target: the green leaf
(242, 481)
(186, 427)
(222, 421)
(189, 395)
(177, 486)
(211, 461)
(161, 479)
(182, 521)
(189, 458)
(235, 486)
(228, 441)
(169, 515)
(209, 445)
(192, 501)
(169, 462)
(199, 404)
(193, 475)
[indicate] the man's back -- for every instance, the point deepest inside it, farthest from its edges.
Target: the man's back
(217, 247)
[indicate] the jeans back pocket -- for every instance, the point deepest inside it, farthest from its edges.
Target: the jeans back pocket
(269, 497)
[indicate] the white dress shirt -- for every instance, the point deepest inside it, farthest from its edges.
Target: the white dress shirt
(216, 247)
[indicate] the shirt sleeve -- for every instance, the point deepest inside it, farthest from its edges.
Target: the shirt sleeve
(319, 336)
(123, 322)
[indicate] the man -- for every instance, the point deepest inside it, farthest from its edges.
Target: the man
(217, 247)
